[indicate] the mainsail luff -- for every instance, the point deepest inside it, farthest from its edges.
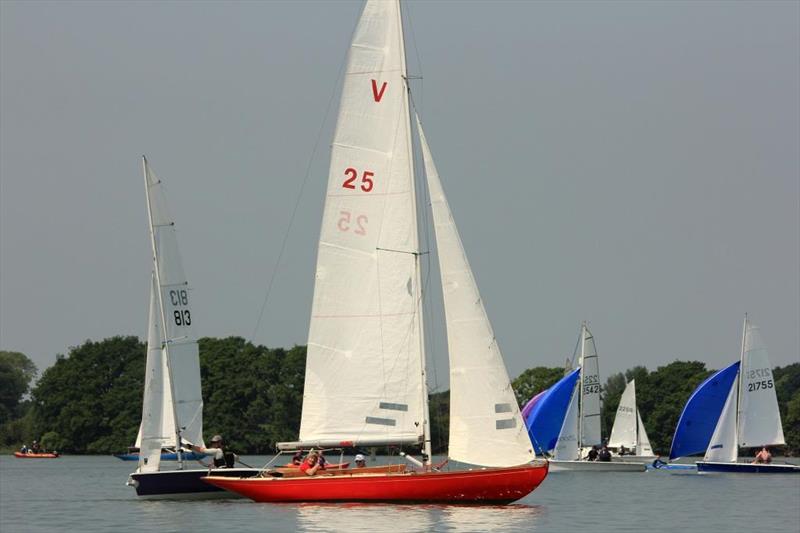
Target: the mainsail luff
(364, 376)
(485, 423)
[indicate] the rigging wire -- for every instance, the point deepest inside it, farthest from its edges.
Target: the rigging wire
(300, 192)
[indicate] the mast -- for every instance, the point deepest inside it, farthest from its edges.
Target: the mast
(739, 377)
(426, 424)
(161, 313)
(580, 398)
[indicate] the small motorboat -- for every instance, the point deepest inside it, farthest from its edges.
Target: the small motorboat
(31, 455)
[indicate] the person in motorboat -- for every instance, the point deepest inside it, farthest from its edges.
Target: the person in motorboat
(763, 457)
(24, 449)
(361, 462)
(36, 447)
(592, 455)
(311, 465)
(220, 458)
(604, 455)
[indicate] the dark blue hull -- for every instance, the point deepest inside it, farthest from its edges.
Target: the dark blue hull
(747, 468)
(171, 456)
(184, 483)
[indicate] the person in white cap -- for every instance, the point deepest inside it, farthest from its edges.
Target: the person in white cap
(361, 462)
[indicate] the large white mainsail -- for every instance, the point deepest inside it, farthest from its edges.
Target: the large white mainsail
(590, 391)
(759, 416)
(624, 432)
(486, 427)
(157, 429)
(365, 366)
(182, 360)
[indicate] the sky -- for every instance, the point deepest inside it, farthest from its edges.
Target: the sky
(632, 164)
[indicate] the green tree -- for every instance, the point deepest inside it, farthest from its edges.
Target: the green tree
(533, 381)
(16, 374)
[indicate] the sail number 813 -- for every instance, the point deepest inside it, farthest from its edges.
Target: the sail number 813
(180, 298)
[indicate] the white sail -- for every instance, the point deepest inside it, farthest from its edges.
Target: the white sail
(723, 447)
(486, 427)
(590, 392)
(643, 446)
(174, 307)
(364, 372)
(624, 431)
(567, 448)
(759, 416)
(158, 427)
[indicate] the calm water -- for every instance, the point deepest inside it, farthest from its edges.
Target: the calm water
(89, 494)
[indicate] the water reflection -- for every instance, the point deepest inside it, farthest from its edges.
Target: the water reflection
(364, 517)
(416, 518)
(517, 517)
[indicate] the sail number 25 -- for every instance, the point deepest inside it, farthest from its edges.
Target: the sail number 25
(180, 298)
(366, 184)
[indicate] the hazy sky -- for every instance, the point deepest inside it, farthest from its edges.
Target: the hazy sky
(634, 164)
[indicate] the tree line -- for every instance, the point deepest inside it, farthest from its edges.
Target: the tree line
(90, 401)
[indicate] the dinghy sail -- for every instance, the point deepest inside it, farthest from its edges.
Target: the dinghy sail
(748, 418)
(172, 407)
(365, 375)
(628, 429)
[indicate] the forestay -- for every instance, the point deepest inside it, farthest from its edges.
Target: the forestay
(364, 372)
(759, 417)
(174, 308)
(590, 392)
(722, 446)
(157, 428)
(485, 423)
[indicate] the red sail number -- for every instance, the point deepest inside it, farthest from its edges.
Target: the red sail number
(366, 179)
(376, 94)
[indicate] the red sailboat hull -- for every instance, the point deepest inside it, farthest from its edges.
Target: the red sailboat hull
(488, 485)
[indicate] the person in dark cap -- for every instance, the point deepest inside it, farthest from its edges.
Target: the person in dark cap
(217, 452)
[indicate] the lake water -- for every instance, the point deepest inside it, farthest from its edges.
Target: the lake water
(89, 494)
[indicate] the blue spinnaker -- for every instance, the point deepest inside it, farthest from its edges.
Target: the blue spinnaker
(701, 413)
(545, 419)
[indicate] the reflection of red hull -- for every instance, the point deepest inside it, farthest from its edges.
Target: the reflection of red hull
(489, 485)
(20, 455)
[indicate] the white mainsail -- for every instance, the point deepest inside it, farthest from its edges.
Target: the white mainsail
(365, 366)
(624, 432)
(590, 391)
(182, 360)
(158, 420)
(567, 446)
(723, 447)
(486, 427)
(759, 416)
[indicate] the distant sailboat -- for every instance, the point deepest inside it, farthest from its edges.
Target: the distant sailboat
(735, 407)
(565, 420)
(172, 408)
(628, 430)
(365, 375)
